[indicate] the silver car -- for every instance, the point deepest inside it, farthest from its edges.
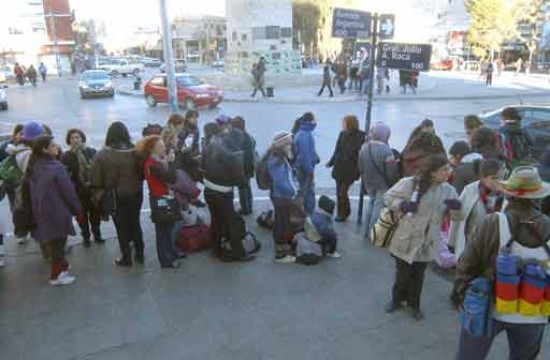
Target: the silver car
(95, 83)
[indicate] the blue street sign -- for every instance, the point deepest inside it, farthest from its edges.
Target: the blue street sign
(387, 27)
(351, 24)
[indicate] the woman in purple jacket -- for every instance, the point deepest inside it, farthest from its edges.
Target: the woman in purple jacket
(53, 202)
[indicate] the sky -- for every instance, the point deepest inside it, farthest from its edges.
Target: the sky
(122, 16)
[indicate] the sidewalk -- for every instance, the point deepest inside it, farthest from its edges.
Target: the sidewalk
(432, 86)
(213, 310)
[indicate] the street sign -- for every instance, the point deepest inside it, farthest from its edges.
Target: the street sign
(414, 57)
(387, 27)
(351, 24)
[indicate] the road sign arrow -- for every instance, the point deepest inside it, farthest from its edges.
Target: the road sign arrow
(387, 27)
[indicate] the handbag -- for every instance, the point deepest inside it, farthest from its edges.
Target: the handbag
(382, 232)
(165, 210)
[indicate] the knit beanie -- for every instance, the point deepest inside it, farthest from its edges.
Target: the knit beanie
(32, 130)
(460, 149)
(223, 119)
(326, 204)
(381, 132)
(281, 139)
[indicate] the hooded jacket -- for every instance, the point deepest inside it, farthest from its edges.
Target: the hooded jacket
(345, 158)
(53, 200)
(283, 183)
(304, 148)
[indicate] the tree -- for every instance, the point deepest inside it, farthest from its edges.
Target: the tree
(306, 18)
(529, 15)
(492, 23)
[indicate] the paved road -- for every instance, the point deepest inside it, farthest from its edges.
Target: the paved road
(209, 310)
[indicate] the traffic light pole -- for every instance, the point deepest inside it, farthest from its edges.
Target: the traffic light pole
(168, 57)
(368, 116)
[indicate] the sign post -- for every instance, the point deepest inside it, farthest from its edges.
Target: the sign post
(411, 57)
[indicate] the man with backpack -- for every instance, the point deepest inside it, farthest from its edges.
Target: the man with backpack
(515, 143)
(511, 251)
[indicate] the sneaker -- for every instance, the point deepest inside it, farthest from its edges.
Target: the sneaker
(287, 259)
(334, 255)
(22, 240)
(63, 279)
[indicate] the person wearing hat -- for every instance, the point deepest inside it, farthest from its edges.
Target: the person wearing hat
(23, 151)
(283, 194)
(516, 145)
(320, 228)
(527, 230)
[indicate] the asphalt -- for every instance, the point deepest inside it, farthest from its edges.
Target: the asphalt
(212, 310)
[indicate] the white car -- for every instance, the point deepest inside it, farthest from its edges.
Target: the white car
(3, 100)
(115, 67)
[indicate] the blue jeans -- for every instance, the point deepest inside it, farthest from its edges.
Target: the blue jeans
(307, 191)
(166, 252)
(374, 206)
(524, 341)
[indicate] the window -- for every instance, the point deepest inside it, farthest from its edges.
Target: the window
(96, 75)
(243, 37)
(186, 81)
(272, 32)
(258, 33)
(158, 81)
(234, 36)
(286, 32)
(541, 119)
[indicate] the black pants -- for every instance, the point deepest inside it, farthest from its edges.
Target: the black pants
(258, 87)
(222, 212)
(343, 206)
(166, 252)
(127, 223)
(92, 219)
(282, 228)
(57, 248)
(323, 89)
(489, 79)
(408, 282)
(10, 191)
(245, 198)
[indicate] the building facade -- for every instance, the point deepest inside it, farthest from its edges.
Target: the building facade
(34, 31)
(200, 39)
(260, 28)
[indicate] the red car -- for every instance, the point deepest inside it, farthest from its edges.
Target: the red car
(192, 92)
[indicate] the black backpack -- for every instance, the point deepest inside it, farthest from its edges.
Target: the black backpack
(516, 147)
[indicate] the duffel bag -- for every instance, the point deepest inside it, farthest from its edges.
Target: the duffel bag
(382, 232)
(194, 238)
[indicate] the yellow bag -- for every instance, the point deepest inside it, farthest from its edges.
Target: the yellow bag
(382, 232)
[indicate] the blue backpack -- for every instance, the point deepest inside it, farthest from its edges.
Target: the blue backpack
(475, 316)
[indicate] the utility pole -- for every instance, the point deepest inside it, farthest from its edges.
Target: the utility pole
(374, 44)
(168, 57)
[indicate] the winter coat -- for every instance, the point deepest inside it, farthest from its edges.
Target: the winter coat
(53, 200)
(346, 154)
(380, 170)
(249, 149)
(466, 172)
(326, 75)
(479, 257)
(304, 148)
(119, 168)
(223, 162)
(417, 236)
(70, 160)
(283, 183)
(474, 212)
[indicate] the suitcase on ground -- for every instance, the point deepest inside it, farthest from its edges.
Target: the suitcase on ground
(195, 238)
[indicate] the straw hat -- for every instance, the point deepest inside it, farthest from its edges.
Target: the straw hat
(525, 183)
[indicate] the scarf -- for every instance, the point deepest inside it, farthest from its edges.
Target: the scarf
(84, 165)
(491, 201)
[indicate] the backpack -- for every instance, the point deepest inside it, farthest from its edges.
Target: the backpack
(251, 245)
(517, 149)
(10, 173)
(307, 252)
(194, 238)
(262, 173)
(23, 218)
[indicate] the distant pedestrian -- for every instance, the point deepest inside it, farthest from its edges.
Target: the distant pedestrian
(326, 80)
(249, 149)
(54, 202)
(381, 78)
(117, 180)
(421, 202)
(489, 73)
(257, 80)
(283, 194)
(43, 70)
(78, 161)
(519, 65)
(344, 163)
(306, 159)
(379, 171)
(472, 123)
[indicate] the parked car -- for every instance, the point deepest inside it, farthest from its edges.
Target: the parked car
(535, 120)
(95, 83)
(180, 66)
(192, 92)
(3, 100)
(218, 64)
(6, 74)
(151, 62)
(122, 67)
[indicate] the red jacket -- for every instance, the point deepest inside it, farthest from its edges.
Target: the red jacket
(156, 176)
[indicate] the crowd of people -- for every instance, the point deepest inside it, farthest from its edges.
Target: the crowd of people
(446, 205)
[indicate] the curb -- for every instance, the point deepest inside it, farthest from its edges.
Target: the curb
(127, 92)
